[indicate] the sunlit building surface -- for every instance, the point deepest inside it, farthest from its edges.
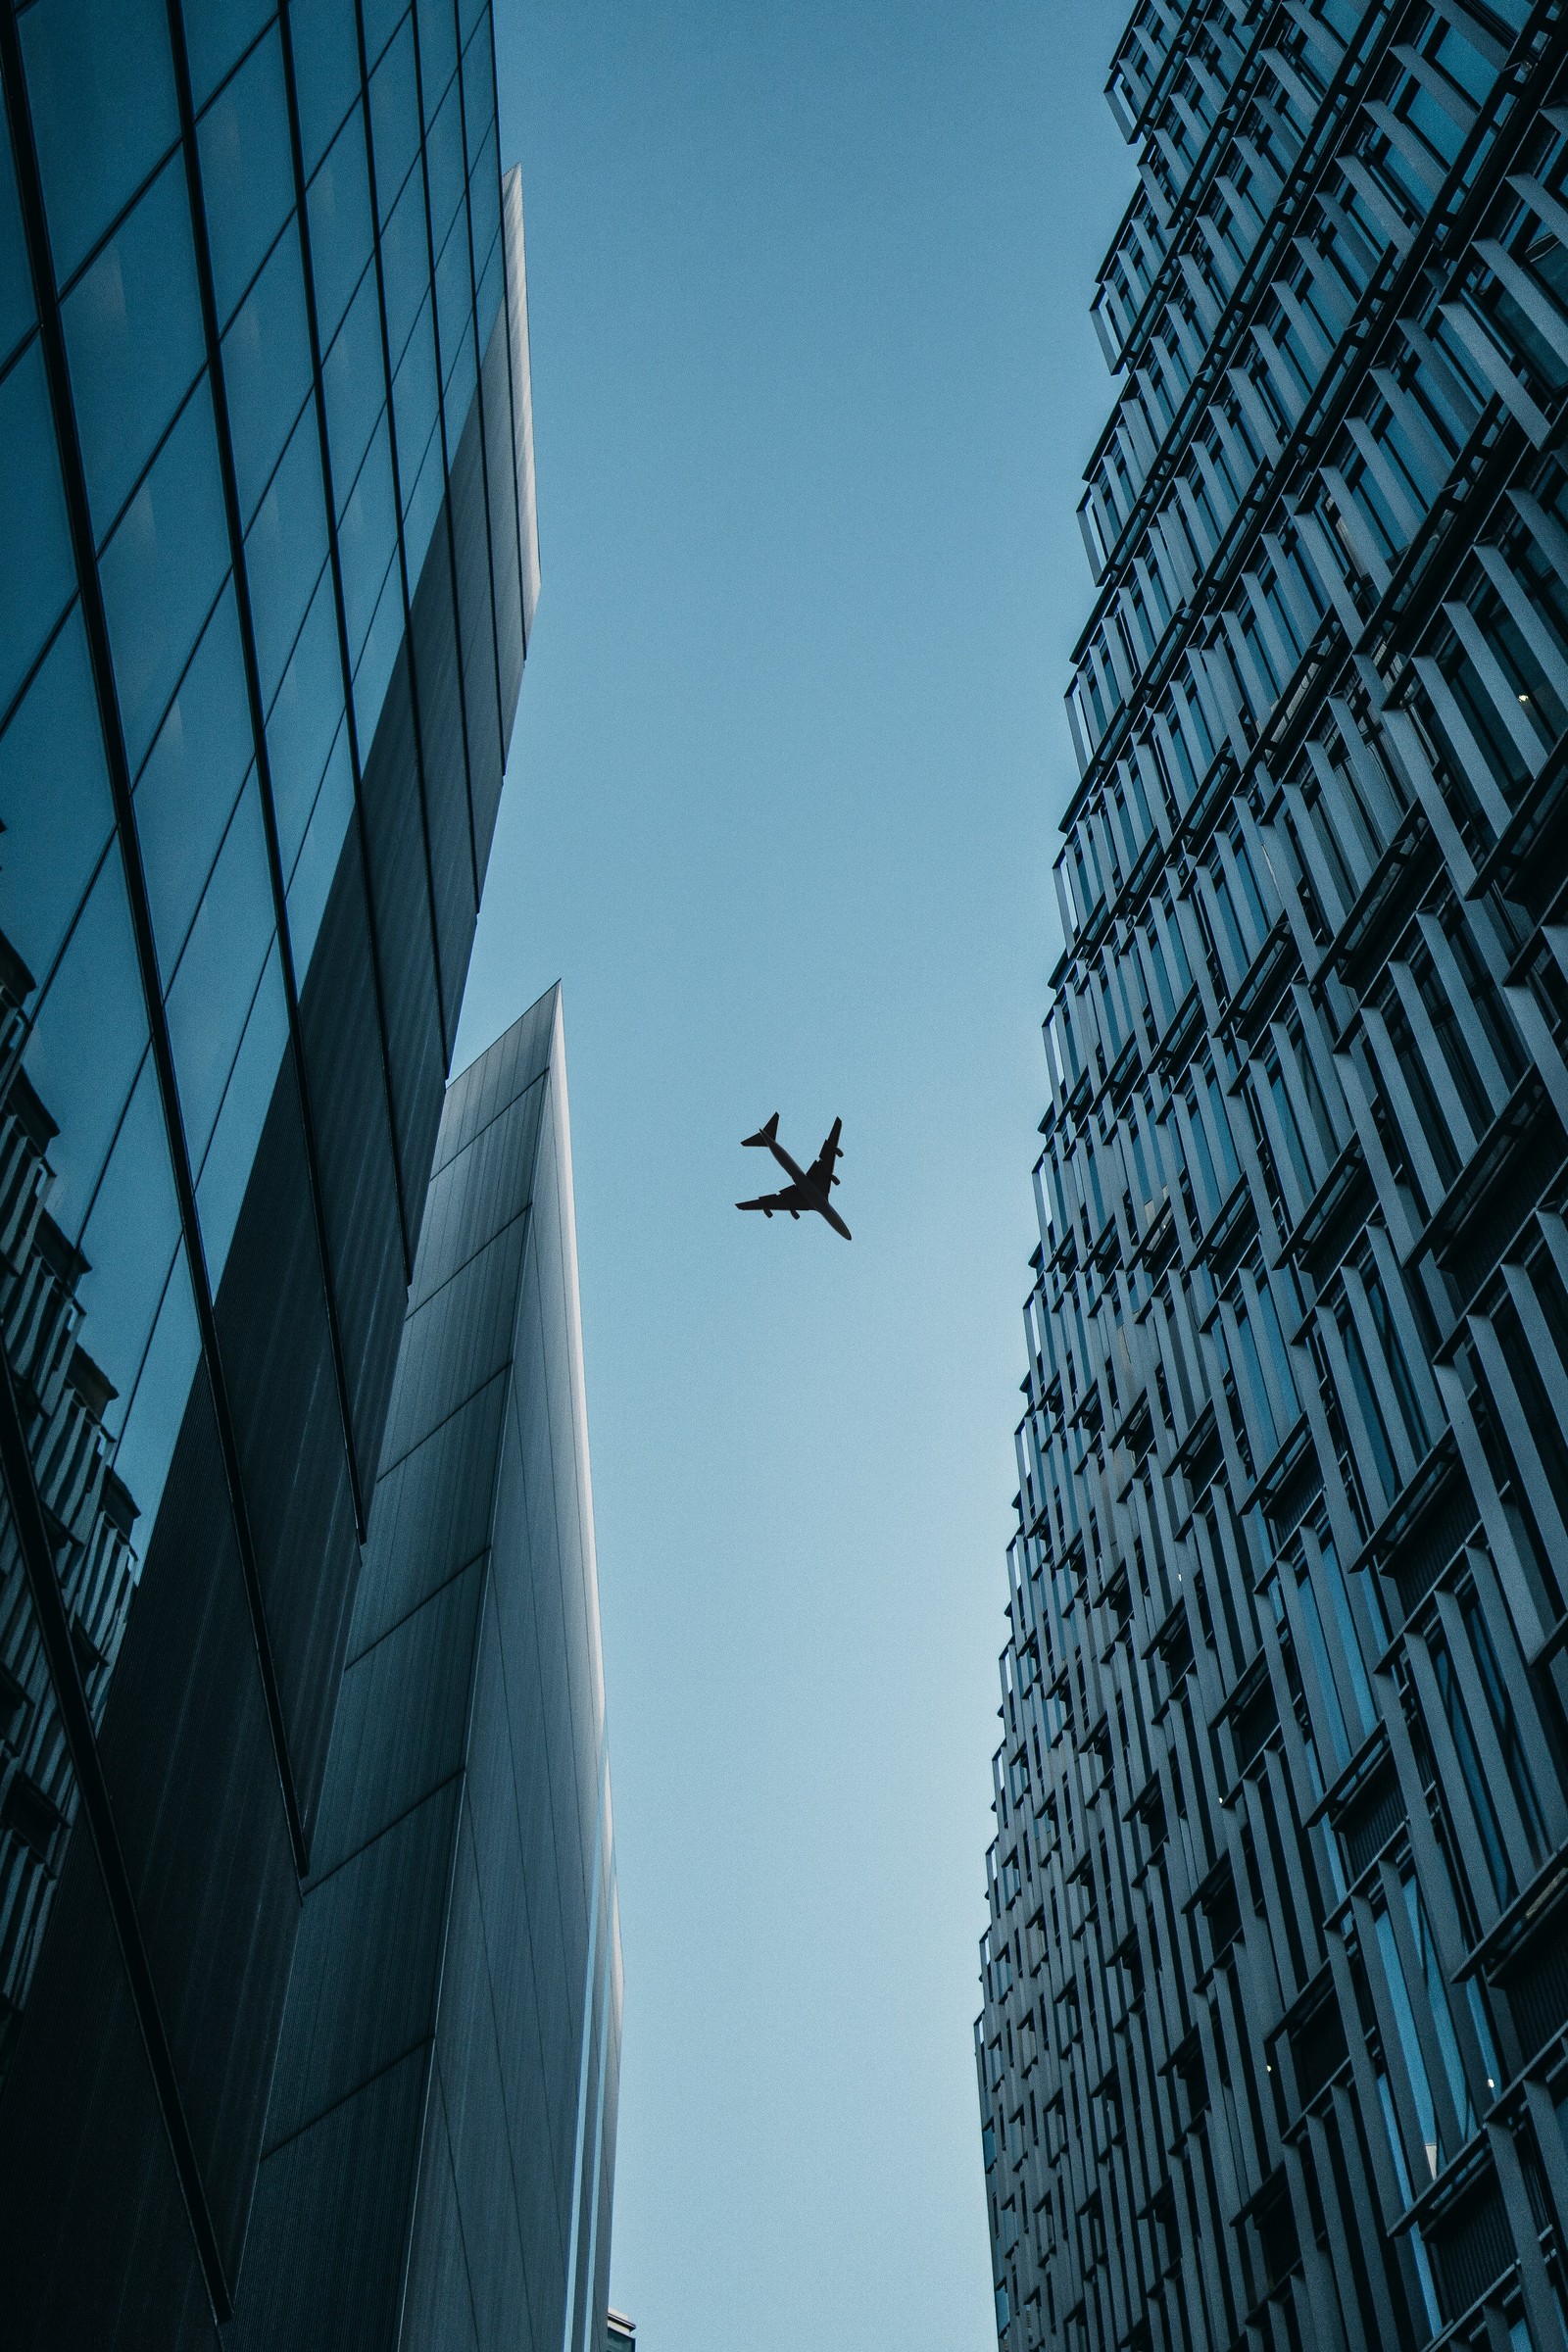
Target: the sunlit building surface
(440, 2139)
(1274, 2044)
(268, 562)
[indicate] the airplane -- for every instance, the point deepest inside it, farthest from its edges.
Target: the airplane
(811, 1185)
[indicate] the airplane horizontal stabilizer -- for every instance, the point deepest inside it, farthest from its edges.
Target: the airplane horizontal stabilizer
(764, 1135)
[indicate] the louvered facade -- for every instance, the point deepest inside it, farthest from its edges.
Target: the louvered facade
(1274, 2044)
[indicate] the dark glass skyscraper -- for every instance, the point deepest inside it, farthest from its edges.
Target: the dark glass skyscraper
(268, 561)
(1274, 2046)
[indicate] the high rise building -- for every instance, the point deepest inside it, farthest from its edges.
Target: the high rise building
(440, 2136)
(1274, 2044)
(268, 564)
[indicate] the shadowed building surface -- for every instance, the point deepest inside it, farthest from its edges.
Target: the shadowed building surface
(1274, 2050)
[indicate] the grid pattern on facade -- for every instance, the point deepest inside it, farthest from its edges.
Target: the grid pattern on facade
(1274, 2043)
(262, 409)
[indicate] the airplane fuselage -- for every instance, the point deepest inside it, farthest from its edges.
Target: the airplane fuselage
(808, 1191)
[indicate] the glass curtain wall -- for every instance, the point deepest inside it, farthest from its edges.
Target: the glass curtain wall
(262, 410)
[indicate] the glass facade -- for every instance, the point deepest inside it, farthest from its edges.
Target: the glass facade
(269, 556)
(1274, 2042)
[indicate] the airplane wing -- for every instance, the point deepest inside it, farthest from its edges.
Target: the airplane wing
(790, 1198)
(821, 1172)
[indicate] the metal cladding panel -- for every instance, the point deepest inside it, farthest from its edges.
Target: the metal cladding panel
(334, 2207)
(1274, 2040)
(464, 1906)
(122, 2272)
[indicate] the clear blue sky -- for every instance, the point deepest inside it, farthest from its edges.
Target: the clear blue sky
(813, 386)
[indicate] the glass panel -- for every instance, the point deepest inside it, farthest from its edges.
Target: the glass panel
(285, 550)
(17, 313)
(415, 395)
(210, 998)
(130, 1245)
(368, 537)
(217, 35)
(405, 263)
(158, 1405)
(445, 165)
(266, 369)
(87, 1045)
(318, 863)
(395, 118)
(95, 151)
(438, 52)
(54, 803)
(424, 506)
(163, 570)
(382, 17)
(356, 386)
(341, 229)
(478, 88)
(247, 172)
(487, 305)
(484, 202)
(133, 331)
(226, 1171)
(454, 288)
(326, 71)
(188, 787)
(32, 514)
(304, 718)
(381, 653)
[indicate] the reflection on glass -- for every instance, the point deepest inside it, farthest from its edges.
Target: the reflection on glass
(226, 1167)
(210, 998)
(266, 369)
(133, 332)
(394, 116)
(247, 175)
(356, 388)
(304, 719)
(32, 514)
(16, 281)
(163, 570)
(317, 860)
(326, 71)
(52, 841)
(66, 1398)
(95, 151)
(187, 790)
(404, 263)
(286, 552)
(338, 206)
(368, 537)
(217, 33)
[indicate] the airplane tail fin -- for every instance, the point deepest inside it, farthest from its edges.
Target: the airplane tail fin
(763, 1134)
